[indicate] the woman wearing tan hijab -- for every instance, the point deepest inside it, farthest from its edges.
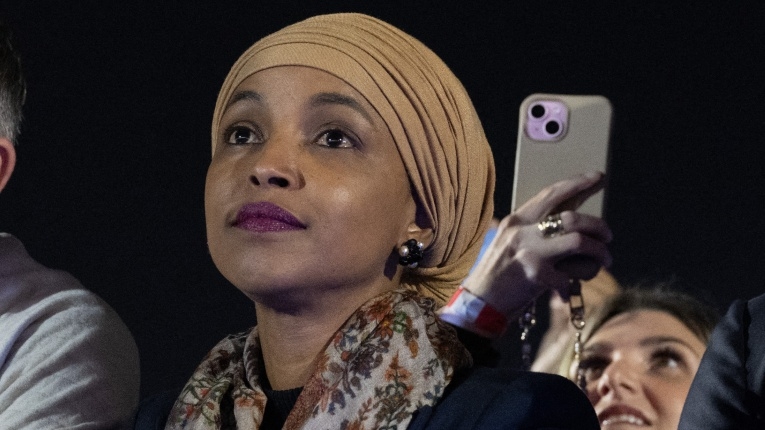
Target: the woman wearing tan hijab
(350, 187)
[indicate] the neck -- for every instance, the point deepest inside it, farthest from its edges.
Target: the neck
(292, 341)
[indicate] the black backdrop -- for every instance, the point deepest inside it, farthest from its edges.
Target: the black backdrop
(115, 142)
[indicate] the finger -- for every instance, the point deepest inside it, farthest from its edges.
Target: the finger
(585, 257)
(558, 193)
(540, 271)
(554, 248)
(566, 244)
(594, 227)
(572, 255)
(578, 199)
(571, 244)
(579, 267)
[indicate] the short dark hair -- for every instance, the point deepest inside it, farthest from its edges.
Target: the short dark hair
(12, 86)
(699, 317)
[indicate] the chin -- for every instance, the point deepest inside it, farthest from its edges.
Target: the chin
(273, 291)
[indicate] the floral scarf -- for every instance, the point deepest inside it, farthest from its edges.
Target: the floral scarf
(392, 357)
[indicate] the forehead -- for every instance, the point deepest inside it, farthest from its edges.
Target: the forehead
(290, 83)
(630, 328)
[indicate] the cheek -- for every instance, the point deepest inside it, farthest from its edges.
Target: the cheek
(218, 185)
(371, 215)
(392, 207)
(668, 397)
(368, 211)
(679, 393)
(592, 394)
(216, 192)
(378, 195)
(212, 193)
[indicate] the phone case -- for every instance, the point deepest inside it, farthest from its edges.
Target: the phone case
(580, 145)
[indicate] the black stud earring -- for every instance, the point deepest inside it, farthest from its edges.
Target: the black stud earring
(410, 253)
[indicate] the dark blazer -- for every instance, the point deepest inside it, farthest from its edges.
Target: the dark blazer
(502, 398)
(480, 398)
(728, 390)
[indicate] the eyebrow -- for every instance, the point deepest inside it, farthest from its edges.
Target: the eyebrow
(649, 341)
(239, 96)
(322, 99)
(656, 340)
(597, 347)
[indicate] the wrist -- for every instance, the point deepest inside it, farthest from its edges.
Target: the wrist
(470, 312)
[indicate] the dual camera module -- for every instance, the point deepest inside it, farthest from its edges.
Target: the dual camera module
(546, 120)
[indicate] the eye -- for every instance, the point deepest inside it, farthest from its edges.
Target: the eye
(666, 358)
(336, 139)
(241, 136)
(592, 368)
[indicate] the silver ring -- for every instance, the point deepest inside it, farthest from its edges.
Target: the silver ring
(551, 226)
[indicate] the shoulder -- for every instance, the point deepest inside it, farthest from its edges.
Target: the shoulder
(743, 315)
(31, 294)
(48, 309)
(501, 398)
(754, 355)
(26, 285)
(739, 333)
(62, 349)
(728, 389)
(755, 309)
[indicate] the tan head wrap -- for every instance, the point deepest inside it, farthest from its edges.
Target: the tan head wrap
(426, 109)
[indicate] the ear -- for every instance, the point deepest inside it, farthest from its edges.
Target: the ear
(419, 227)
(7, 161)
(420, 234)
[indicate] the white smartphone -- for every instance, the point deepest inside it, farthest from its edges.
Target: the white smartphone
(560, 136)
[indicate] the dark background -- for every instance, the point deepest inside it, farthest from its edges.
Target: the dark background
(115, 142)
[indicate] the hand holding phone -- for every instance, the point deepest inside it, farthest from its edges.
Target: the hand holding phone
(520, 264)
(560, 136)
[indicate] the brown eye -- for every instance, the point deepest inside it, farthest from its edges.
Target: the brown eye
(241, 136)
(335, 139)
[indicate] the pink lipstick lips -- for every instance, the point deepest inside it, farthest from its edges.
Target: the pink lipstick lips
(263, 217)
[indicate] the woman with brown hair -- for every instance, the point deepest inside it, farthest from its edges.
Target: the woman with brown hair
(642, 352)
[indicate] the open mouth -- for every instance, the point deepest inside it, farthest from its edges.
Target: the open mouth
(623, 419)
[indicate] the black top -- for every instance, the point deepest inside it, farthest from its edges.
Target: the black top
(278, 407)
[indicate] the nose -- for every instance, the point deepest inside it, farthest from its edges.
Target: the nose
(275, 164)
(618, 379)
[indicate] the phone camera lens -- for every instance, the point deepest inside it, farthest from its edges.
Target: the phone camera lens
(537, 111)
(552, 127)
